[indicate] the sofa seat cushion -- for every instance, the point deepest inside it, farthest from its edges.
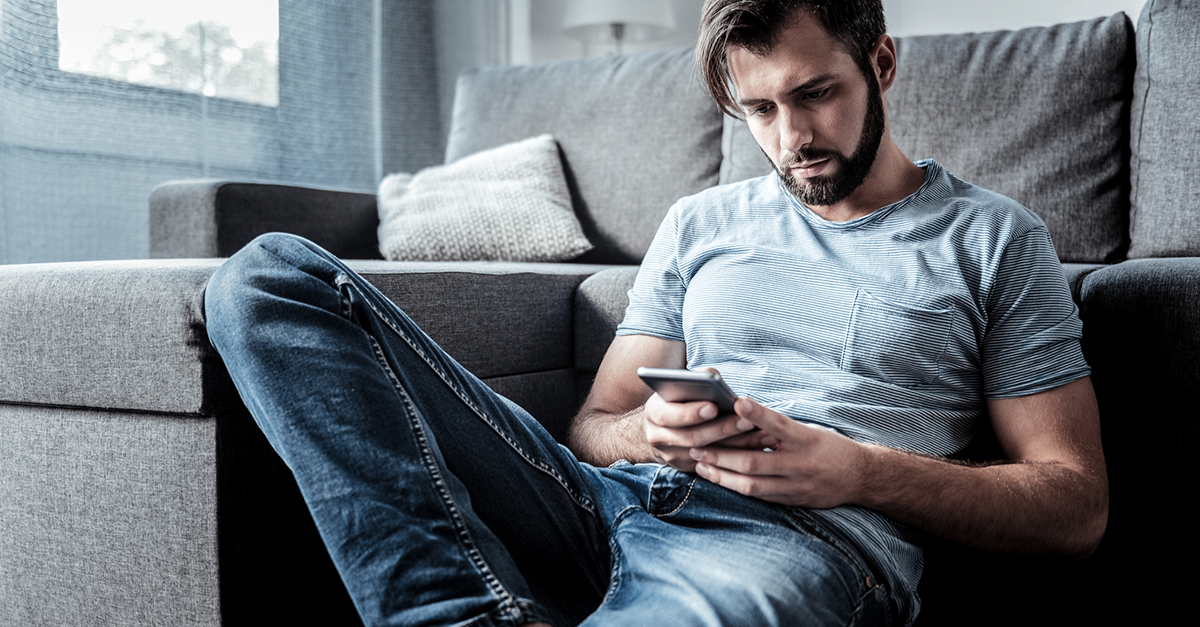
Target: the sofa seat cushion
(1038, 115)
(130, 335)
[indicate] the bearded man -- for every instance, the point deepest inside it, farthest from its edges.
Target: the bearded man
(873, 311)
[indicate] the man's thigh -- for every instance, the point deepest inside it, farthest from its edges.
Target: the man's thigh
(696, 554)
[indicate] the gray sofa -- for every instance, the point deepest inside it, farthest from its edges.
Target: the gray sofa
(136, 490)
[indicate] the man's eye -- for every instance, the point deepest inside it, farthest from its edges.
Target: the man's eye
(815, 95)
(763, 110)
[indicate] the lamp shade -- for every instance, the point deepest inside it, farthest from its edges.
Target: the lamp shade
(643, 20)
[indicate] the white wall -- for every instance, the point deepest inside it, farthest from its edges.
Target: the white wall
(905, 17)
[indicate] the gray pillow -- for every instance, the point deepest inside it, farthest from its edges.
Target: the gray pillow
(505, 204)
(1165, 132)
(1038, 115)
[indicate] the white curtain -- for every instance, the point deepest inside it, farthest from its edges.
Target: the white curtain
(361, 94)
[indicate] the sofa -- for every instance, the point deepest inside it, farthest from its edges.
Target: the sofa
(135, 488)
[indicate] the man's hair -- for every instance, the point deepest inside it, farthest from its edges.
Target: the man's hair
(756, 25)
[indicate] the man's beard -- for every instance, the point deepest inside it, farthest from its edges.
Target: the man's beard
(851, 171)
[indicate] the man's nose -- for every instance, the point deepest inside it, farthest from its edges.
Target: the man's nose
(795, 131)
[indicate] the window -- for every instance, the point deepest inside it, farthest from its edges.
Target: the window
(221, 48)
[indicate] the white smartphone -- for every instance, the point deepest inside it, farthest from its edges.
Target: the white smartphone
(681, 386)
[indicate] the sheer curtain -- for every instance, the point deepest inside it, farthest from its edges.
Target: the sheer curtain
(361, 94)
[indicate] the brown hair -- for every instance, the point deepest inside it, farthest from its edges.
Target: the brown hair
(757, 24)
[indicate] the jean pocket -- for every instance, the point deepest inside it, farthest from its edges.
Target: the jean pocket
(896, 343)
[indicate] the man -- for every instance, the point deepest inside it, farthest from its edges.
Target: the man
(872, 310)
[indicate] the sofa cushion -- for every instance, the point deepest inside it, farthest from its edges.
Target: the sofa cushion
(1165, 132)
(637, 133)
(130, 335)
(1141, 335)
(599, 307)
(508, 203)
(1038, 115)
(110, 518)
(111, 335)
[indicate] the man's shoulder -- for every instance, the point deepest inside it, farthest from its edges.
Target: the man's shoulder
(731, 203)
(976, 207)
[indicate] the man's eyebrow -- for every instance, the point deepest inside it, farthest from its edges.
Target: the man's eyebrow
(807, 85)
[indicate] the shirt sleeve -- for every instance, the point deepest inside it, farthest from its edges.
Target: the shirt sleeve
(656, 300)
(1033, 331)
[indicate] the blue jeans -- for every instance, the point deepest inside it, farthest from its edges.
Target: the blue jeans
(443, 503)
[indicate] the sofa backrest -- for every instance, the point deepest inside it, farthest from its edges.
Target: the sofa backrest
(636, 133)
(1039, 115)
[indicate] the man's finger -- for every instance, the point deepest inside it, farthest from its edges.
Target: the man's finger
(756, 440)
(678, 415)
(763, 487)
(741, 461)
(771, 422)
(702, 434)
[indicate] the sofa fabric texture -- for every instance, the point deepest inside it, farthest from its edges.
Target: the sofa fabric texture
(93, 345)
(1050, 105)
(114, 334)
(508, 203)
(93, 502)
(1165, 133)
(627, 158)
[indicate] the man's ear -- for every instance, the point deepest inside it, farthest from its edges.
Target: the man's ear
(883, 59)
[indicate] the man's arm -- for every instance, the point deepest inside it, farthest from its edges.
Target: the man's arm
(1052, 496)
(609, 425)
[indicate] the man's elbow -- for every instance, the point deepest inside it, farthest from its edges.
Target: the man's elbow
(1090, 530)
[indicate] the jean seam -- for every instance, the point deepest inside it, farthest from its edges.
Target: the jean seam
(614, 574)
(343, 279)
(862, 601)
(507, 599)
(524, 614)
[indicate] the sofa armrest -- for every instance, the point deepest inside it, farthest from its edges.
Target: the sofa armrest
(214, 218)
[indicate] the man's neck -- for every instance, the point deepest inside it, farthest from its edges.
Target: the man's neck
(893, 178)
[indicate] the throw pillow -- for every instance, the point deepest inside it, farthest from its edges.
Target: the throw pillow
(1164, 133)
(509, 203)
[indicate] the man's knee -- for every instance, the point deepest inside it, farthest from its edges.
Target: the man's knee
(258, 281)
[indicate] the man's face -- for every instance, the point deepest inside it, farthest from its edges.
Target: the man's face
(812, 111)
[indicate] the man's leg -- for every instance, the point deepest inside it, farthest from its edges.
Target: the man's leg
(439, 501)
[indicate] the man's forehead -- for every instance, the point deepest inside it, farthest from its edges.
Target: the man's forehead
(803, 53)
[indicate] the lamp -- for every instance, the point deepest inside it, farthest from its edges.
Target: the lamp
(600, 21)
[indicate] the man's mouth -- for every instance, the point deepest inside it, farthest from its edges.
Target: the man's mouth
(810, 169)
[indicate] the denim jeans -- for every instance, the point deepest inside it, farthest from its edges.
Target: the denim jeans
(443, 503)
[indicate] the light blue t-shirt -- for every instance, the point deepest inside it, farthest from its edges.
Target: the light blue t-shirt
(893, 328)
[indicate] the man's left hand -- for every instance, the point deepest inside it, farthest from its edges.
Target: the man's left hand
(806, 465)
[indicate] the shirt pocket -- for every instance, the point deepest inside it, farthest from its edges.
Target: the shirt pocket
(896, 343)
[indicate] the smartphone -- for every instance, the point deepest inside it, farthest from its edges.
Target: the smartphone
(681, 386)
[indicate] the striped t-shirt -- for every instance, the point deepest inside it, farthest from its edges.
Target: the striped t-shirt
(893, 328)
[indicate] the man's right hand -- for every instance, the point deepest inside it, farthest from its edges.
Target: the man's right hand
(673, 429)
(621, 419)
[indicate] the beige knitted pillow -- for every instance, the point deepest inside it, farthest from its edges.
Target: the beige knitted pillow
(505, 204)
